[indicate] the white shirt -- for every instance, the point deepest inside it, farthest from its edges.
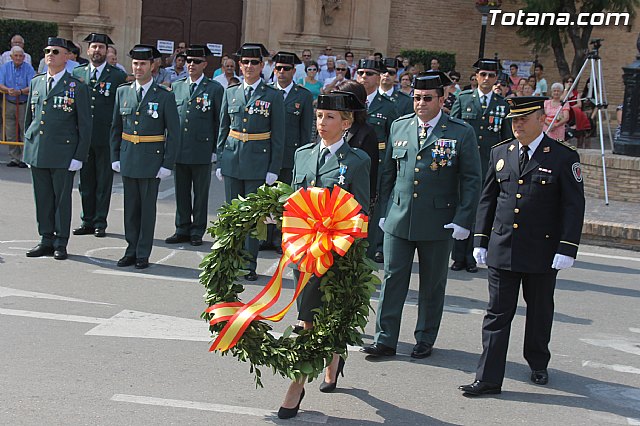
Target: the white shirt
(254, 85)
(145, 88)
(197, 82)
(371, 97)
(532, 146)
(388, 93)
(100, 69)
(488, 95)
(56, 78)
(286, 89)
(432, 123)
(222, 79)
(332, 149)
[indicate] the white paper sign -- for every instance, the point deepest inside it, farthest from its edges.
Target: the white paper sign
(216, 49)
(524, 67)
(165, 46)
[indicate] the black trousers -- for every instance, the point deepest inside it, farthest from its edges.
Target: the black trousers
(504, 286)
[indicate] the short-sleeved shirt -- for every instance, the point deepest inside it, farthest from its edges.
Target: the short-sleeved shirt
(6, 58)
(175, 75)
(162, 77)
(16, 78)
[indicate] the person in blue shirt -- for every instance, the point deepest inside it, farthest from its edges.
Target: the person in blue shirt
(15, 76)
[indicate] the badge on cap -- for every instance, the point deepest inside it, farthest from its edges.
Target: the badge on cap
(577, 172)
(499, 164)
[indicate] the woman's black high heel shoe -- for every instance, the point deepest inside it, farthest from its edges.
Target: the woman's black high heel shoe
(288, 413)
(330, 387)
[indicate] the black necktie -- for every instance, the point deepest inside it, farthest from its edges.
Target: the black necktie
(139, 94)
(192, 88)
(483, 101)
(50, 86)
(94, 75)
(284, 94)
(524, 158)
(323, 156)
(247, 93)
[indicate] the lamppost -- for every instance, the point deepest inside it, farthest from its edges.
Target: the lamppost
(484, 7)
(628, 143)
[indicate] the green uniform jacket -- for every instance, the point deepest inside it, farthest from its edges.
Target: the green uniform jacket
(199, 119)
(382, 112)
(143, 160)
(489, 124)
(58, 124)
(402, 101)
(298, 122)
(264, 112)
(352, 163)
(102, 95)
(420, 200)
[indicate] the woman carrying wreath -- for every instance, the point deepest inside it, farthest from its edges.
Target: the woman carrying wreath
(325, 164)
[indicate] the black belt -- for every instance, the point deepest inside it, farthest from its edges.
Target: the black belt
(16, 103)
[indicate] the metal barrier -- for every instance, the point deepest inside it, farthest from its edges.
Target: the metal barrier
(5, 103)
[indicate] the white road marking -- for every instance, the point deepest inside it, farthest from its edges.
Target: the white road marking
(617, 344)
(8, 292)
(167, 257)
(220, 408)
(272, 269)
(90, 253)
(50, 316)
(614, 367)
(634, 330)
(166, 193)
(144, 275)
(609, 256)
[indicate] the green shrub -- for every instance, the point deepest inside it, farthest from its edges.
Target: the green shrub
(421, 56)
(35, 34)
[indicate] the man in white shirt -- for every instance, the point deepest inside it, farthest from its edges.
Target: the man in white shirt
(16, 40)
(229, 68)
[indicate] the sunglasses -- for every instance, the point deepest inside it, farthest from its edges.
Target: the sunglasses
(569, 81)
(284, 67)
(367, 73)
(392, 72)
(455, 79)
(306, 56)
(312, 69)
(51, 51)
(194, 61)
(250, 61)
(426, 98)
(488, 74)
(341, 69)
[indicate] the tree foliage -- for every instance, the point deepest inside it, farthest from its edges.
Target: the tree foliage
(557, 37)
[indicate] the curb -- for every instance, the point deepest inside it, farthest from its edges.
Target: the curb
(611, 234)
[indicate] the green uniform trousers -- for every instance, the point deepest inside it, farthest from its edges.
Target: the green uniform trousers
(232, 188)
(140, 197)
(191, 213)
(96, 180)
(274, 235)
(52, 192)
(433, 257)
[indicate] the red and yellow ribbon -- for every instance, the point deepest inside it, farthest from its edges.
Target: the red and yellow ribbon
(316, 221)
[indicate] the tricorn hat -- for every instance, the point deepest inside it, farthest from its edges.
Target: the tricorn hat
(372, 64)
(252, 50)
(286, 58)
(57, 41)
(487, 65)
(144, 52)
(340, 101)
(525, 105)
(444, 77)
(392, 63)
(427, 82)
(198, 50)
(98, 38)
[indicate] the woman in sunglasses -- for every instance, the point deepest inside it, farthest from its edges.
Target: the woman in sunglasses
(310, 82)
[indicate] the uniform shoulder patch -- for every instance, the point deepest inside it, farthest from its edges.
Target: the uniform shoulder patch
(406, 117)
(307, 146)
(503, 142)
(457, 120)
(80, 66)
(566, 144)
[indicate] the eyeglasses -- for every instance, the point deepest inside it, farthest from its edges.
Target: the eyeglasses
(306, 55)
(367, 73)
(341, 69)
(426, 98)
(487, 74)
(312, 69)
(51, 51)
(250, 61)
(284, 67)
(349, 56)
(328, 48)
(194, 61)
(569, 81)
(392, 72)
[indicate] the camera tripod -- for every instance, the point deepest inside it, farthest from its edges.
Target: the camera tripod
(597, 95)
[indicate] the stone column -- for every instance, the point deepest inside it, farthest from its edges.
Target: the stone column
(89, 20)
(629, 141)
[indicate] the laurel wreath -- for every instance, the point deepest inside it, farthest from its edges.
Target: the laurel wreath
(346, 288)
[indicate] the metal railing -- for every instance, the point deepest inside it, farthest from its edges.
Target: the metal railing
(5, 103)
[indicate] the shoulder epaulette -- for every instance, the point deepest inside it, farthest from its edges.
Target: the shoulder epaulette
(307, 146)
(503, 142)
(406, 116)
(457, 120)
(466, 92)
(162, 86)
(566, 144)
(297, 86)
(401, 93)
(182, 79)
(360, 153)
(39, 74)
(80, 66)
(233, 85)
(127, 83)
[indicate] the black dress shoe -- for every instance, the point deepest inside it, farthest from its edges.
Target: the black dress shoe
(540, 377)
(100, 233)
(288, 413)
(126, 261)
(251, 276)
(421, 350)
(378, 257)
(60, 253)
(330, 387)
(278, 250)
(196, 241)
(458, 266)
(177, 238)
(40, 250)
(84, 230)
(22, 165)
(12, 164)
(297, 328)
(378, 349)
(142, 263)
(478, 388)
(472, 269)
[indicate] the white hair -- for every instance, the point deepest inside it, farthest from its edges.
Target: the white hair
(341, 62)
(16, 49)
(558, 86)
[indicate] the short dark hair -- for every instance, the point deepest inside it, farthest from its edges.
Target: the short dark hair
(454, 74)
(513, 66)
(435, 59)
(378, 54)
(539, 66)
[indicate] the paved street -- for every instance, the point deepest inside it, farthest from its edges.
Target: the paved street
(84, 342)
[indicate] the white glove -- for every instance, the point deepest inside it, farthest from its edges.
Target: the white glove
(163, 173)
(219, 175)
(115, 166)
(271, 178)
(214, 157)
(75, 165)
(381, 223)
(480, 255)
(459, 233)
(560, 261)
